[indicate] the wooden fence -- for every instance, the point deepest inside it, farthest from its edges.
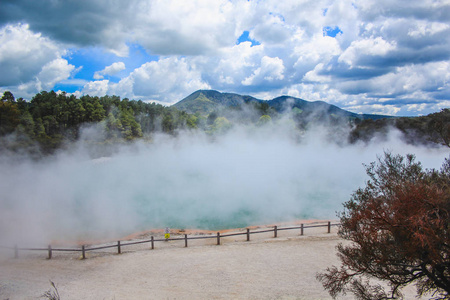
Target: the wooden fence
(121, 244)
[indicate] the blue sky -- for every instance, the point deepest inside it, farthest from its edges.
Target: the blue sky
(94, 59)
(245, 37)
(387, 57)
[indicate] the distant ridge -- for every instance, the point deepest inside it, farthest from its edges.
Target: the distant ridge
(204, 102)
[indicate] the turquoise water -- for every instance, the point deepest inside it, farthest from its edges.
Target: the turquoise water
(207, 214)
(236, 181)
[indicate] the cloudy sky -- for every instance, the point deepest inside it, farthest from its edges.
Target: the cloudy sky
(370, 56)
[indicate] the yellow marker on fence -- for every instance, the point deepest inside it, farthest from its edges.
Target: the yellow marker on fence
(167, 233)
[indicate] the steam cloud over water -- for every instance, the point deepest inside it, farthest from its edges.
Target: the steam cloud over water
(247, 176)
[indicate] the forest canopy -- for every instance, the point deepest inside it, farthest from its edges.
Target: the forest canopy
(51, 121)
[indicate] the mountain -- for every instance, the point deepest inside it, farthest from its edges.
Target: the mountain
(206, 101)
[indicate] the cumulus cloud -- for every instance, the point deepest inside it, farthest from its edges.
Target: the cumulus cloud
(97, 88)
(270, 70)
(232, 66)
(163, 27)
(291, 49)
(30, 62)
(313, 52)
(271, 30)
(417, 9)
(187, 28)
(404, 80)
(166, 80)
(53, 72)
(23, 54)
(82, 23)
(110, 70)
(358, 50)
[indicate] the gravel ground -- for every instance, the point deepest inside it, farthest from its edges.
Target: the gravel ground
(263, 268)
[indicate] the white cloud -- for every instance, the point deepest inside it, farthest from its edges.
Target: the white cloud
(53, 72)
(29, 62)
(271, 69)
(227, 70)
(167, 80)
(110, 70)
(313, 52)
(366, 47)
(185, 27)
(23, 54)
(97, 88)
(271, 30)
(384, 49)
(404, 82)
(406, 89)
(417, 9)
(423, 28)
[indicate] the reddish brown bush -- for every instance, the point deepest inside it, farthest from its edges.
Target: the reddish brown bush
(399, 228)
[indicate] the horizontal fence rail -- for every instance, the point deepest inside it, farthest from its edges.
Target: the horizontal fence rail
(121, 244)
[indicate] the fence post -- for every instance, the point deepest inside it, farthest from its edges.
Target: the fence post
(185, 240)
(248, 234)
(301, 229)
(119, 251)
(275, 233)
(153, 242)
(16, 251)
(49, 251)
(218, 238)
(329, 226)
(83, 251)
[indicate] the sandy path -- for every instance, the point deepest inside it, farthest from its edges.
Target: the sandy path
(264, 268)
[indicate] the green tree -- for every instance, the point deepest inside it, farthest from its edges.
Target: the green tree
(77, 112)
(211, 118)
(263, 108)
(9, 113)
(191, 122)
(113, 127)
(27, 125)
(167, 123)
(221, 125)
(398, 226)
(439, 126)
(98, 113)
(22, 104)
(8, 97)
(39, 129)
(130, 128)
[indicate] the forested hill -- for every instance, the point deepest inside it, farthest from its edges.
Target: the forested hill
(205, 102)
(50, 121)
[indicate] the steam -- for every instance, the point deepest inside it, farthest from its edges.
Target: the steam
(246, 176)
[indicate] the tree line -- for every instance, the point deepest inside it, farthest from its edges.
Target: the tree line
(430, 129)
(50, 121)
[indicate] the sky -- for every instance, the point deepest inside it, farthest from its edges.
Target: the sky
(366, 56)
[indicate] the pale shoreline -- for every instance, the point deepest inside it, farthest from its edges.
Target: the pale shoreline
(262, 268)
(197, 231)
(158, 232)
